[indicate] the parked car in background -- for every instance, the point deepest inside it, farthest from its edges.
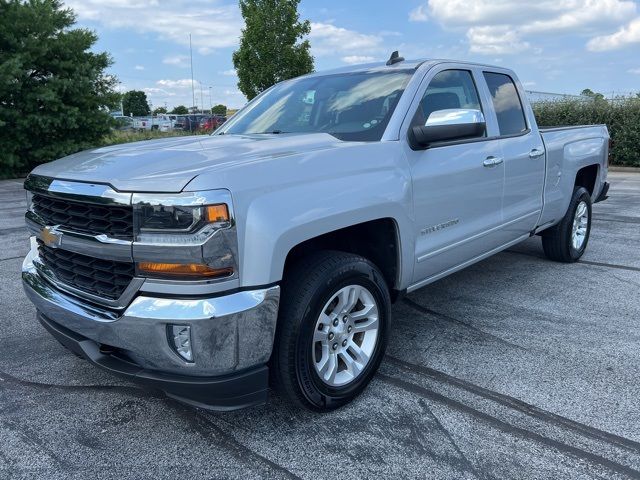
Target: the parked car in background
(123, 123)
(209, 123)
(221, 119)
(274, 247)
(179, 122)
(142, 123)
(162, 122)
(192, 122)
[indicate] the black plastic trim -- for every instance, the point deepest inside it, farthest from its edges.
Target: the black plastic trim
(603, 193)
(228, 392)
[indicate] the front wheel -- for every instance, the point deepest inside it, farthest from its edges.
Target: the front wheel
(332, 330)
(567, 241)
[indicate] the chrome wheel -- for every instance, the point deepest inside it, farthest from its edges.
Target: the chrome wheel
(345, 335)
(580, 224)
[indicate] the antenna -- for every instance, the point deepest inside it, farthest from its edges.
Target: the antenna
(395, 58)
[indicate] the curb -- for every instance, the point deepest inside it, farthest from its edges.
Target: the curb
(614, 168)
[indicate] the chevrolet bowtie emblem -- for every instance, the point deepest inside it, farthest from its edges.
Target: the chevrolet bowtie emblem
(51, 237)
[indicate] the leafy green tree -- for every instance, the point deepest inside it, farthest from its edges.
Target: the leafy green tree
(219, 110)
(54, 92)
(134, 102)
(272, 48)
(587, 92)
(159, 110)
(180, 110)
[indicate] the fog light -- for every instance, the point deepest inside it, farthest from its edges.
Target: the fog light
(180, 340)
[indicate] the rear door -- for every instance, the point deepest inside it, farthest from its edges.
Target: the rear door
(523, 152)
(457, 187)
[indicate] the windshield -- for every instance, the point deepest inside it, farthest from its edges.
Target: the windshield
(355, 106)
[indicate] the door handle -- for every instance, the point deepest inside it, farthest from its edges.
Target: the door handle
(491, 162)
(535, 153)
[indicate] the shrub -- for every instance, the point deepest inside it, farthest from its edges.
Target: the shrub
(621, 116)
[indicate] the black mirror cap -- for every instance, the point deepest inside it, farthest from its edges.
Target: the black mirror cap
(422, 137)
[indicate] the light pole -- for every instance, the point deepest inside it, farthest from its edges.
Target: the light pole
(193, 91)
(210, 104)
(201, 98)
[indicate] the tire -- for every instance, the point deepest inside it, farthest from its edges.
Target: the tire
(558, 242)
(317, 285)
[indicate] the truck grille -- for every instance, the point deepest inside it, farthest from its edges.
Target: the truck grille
(111, 220)
(103, 278)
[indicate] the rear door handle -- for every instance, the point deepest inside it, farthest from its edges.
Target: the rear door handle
(491, 162)
(535, 153)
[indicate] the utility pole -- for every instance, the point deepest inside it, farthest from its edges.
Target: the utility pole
(193, 91)
(210, 104)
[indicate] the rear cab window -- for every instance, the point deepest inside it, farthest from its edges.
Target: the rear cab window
(506, 103)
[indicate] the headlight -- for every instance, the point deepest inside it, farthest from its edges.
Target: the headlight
(199, 225)
(162, 219)
(176, 224)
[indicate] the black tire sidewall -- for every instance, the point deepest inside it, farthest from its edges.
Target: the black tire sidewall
(315, 391)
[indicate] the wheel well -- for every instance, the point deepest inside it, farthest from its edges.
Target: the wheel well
(586, 177)
(377, 241)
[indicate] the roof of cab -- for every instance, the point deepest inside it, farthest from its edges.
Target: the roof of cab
(382, 66)
(372, 67)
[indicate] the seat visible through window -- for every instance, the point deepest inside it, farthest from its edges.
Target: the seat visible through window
(432, 102)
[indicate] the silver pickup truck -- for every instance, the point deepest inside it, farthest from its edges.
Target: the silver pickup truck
(202, 266)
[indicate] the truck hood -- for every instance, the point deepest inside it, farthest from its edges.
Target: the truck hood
(169, 164)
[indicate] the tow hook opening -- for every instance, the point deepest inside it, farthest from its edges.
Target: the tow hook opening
(107, 349)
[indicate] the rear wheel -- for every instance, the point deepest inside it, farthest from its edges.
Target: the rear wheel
(567, 241)
(332, 330)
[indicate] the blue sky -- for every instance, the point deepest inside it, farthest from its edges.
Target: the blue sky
(558, 46)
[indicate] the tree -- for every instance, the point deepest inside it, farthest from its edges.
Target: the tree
(271, 45)
(219, 110)
(54, 92)
(134, 102)
(159, 110)
(180, 110)
(587, 92)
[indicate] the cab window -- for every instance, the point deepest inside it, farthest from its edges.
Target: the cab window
(506, 103)
(447, 90)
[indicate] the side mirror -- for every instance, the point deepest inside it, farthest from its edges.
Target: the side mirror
(448, 125)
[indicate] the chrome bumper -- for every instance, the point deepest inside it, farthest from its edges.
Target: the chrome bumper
(228, 333)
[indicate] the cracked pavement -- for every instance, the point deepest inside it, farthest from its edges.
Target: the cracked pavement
(516, 367)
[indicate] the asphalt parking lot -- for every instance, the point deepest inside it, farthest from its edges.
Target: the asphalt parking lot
(516, 367)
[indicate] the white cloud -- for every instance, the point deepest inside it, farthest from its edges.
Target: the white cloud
(229, 73)
(327, 39)
(495, 40)
(419, 14)
(502, 26)
(635, 71)
(181, 61)
(139, 67)
(627, 35)
(182, 83)
(213, 24)
(354, 59)
(545, 14)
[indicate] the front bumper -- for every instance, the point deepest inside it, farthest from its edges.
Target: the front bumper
(231, 339)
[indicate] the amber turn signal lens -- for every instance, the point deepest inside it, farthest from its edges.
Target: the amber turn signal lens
(183, 270)
(217, 213)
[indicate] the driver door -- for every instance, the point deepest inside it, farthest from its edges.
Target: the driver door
(457, 185)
